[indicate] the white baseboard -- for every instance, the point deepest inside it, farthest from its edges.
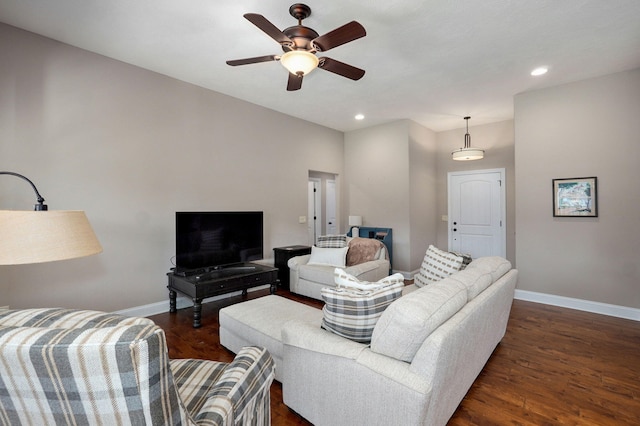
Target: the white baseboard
(181, 302)
(579, 304)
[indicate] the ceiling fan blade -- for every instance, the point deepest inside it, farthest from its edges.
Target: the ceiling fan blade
(294, 83)
(341, 68)
(344, 34)
(269, 29)
(255, 60)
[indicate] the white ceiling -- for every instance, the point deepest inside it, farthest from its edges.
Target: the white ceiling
(432, 61)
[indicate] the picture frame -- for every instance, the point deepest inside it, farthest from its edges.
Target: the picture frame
(575, 197)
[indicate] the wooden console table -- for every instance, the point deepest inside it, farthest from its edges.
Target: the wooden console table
(215, 281)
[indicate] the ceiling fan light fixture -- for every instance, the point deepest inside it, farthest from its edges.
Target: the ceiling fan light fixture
(467, 153)
(299, 62)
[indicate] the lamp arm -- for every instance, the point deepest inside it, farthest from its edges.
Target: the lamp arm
(40, 205)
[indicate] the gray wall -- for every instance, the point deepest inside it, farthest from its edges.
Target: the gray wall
(422, 192)
(131, 147)
(588, 128)
(389, 170)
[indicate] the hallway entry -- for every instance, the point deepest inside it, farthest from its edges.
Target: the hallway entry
(322, 205)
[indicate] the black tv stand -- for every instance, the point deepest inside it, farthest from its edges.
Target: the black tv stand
(213, 281)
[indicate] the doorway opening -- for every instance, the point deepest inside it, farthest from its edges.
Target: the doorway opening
(322, 205)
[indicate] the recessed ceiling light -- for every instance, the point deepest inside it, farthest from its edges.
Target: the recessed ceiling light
(359, 117)
(539, 71)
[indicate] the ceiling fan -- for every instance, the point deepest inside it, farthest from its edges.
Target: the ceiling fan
(300, 45)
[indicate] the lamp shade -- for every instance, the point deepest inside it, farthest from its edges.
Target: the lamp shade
(45, 236)
(355, 220)
(299, 62)
(467, 154)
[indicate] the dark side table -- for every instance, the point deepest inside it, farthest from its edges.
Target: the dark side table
(282, 256)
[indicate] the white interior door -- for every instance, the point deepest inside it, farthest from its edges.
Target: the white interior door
(477, 212)
(314, 221)
(331, 225)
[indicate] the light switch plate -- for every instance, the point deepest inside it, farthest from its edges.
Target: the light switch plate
(302, 219)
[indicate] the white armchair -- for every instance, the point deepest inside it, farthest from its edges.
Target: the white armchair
(308, 279)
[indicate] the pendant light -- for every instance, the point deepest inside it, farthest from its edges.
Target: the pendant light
(467, 153)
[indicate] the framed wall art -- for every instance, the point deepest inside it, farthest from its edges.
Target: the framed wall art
(575, 197)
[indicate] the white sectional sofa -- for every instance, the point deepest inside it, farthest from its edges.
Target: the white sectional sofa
(427, 349)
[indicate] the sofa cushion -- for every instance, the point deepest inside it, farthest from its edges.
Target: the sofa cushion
(325, 273)
(475, 280)
(436, 265)
(328, 256)
(317, 273)
(353, 313)
(332, 241)
(495, 265)
(408, 321)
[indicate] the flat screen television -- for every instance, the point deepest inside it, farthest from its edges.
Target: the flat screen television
(214, 239)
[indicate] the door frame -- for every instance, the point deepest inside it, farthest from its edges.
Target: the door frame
(314, 220)
(330, 201)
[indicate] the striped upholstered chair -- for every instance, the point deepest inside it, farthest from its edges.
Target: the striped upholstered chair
(62, 366)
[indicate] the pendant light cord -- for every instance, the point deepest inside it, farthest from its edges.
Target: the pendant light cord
(467, 136)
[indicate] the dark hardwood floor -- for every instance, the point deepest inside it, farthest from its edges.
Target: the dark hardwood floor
(555, 366)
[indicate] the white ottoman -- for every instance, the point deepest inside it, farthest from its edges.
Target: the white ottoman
(259, 322)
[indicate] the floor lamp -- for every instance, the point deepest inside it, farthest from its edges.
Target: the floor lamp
(42, 235)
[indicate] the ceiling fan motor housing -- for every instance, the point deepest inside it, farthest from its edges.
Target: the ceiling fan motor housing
(301, 36)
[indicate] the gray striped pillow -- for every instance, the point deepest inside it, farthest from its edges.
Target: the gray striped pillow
(353, 313)
(332, 241)
(437, 265)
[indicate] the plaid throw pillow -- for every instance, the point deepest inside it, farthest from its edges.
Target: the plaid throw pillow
(343, 279)
(437, 265)
(353, 313)
(332, 241)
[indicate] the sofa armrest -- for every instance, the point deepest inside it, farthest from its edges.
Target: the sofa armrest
(66, 318)
(242, 394)
(313, 338)
(372, 270)
(295, 262)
